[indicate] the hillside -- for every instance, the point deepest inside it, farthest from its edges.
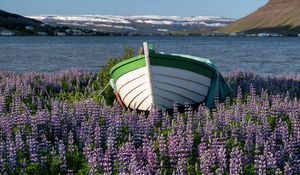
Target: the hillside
(19, 25)
(16, 22)
(277, 16)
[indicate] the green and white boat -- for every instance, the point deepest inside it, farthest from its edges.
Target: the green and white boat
(157, 80)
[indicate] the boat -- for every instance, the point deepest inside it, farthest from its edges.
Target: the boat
(155, 80)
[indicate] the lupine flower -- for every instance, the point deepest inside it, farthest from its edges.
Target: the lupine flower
(62, 156)
(236, 161)
(41, 123)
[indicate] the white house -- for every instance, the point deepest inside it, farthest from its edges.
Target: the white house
(6, 33)
(263, 35)
(233, 34)
(78, 32)
(29, 28)
(60, 33)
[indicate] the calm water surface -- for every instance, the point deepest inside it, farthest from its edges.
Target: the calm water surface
(261, 55)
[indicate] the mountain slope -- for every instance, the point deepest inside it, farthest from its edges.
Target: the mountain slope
(20, 25)
(16, 22)
(279, 16)
(138, 25)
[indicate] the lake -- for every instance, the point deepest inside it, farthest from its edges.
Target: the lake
(260, 55)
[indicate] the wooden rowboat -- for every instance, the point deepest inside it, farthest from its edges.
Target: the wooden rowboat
(157, 80)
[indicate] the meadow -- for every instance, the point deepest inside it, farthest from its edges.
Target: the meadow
(57, 123)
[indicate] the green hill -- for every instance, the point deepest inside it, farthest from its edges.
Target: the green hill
(277, 16)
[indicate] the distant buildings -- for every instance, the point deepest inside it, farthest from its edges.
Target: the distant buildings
(222, 34)
(42, 33)
(251, 35)
(241, 34)
(6, 33)
(75, 32)
(60, 34)
(236, 34)
(29, 28)
(78, 32)
(269, 35)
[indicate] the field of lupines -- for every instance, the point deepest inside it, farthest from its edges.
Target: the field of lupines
(57, 123)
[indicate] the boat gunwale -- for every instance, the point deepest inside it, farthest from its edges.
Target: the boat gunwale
(124, 62)
(164, 56)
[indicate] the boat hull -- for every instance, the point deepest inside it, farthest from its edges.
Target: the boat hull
(173, 78)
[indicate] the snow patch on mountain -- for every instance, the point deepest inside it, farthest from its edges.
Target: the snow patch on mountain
(142, 24)
(150, 19)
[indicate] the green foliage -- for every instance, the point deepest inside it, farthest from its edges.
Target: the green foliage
(249, 169)
(272, 122)
(104, 75)
(54, 166)
(84, 170)
(33, 168)
(288, 121)
(75, 161)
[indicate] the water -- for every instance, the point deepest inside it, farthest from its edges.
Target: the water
(261, 55)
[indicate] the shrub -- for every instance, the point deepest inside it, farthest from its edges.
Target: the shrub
(104, 75)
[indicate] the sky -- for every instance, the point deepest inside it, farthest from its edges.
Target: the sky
(223, 8)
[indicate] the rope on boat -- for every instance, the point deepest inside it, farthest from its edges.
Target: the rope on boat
(103, 89)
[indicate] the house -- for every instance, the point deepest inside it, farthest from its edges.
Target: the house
(68, 31)
(42, 33)
(233, 34)
(275, 35)
(29, 28)
(60, 34)
(6, 33)
(263, 35)
(78, 32)
(251, 35)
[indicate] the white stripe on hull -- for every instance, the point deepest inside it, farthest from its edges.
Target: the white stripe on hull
(133, 88)
(168, 85)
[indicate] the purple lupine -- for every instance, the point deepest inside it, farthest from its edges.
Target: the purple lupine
(152, 163)
(62, 156)
(269, 156)
(181, 167)
(55, 119)
(97, 136)
(287, 169)
(33, 148)
(204, 158)
(94, 126)
(189, 133)
(44, 149)
(222, 161)
(2, 159)
(260, 165)
(172, 147)
(71, 146)
(12, 155)
(93, 162)
(19, 141)
(163, 149)
(107, 163)
(125, 155)
(236, 161)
